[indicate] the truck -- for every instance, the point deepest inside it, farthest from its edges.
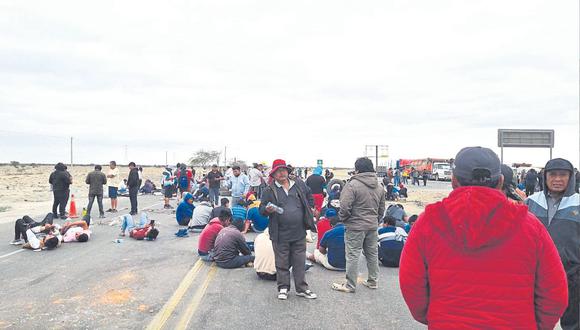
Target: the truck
(438, 168)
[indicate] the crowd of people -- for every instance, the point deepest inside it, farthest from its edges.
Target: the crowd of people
(500, 248)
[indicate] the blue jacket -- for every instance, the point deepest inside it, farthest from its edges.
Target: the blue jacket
(239, 185)
(184, 209)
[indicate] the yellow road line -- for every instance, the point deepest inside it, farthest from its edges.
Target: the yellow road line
(163, 315)
(196, 300)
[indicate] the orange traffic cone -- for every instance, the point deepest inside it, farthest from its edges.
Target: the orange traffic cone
(73, 208)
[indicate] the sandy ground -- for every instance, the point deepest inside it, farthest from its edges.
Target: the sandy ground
(24, 189)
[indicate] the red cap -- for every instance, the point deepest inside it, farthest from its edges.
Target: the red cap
(278, 164)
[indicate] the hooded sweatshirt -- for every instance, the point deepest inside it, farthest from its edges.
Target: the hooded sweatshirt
(564, 226)
(362, 202)
(184, 209)
(475, 260)
(60, 179)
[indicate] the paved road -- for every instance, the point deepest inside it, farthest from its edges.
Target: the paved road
(135, 284)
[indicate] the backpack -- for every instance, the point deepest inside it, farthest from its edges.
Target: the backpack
(183, 180)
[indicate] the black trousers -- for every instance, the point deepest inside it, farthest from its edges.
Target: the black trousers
(530, 190)
(266, 276)
(26, 222)
(60, 201)
(291, 254)
(99, 202)
(133, 198)
(571, 318)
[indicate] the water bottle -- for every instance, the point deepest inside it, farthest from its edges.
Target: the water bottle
(84, 212)
(277, 208)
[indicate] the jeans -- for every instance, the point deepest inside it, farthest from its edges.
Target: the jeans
(99, 202)
(205, 256)
(365, 241)
(60, 201)
(129, 224)
(214, 195)
(291, 254)
(397, 181)
(133, 198)
(236, 262)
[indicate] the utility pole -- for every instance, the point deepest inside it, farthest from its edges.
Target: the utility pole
(126, 158)
(71, 152)
(376, 157)
(225, 156)
(166, 163)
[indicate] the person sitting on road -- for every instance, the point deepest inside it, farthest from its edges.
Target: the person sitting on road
(264, 262)
(229, 244)
(206, 243)
(25, 223)
(123, 188)
(403, 193)
(256, 221)
(411, 222)
(183, 214)
(331, 253)
(77, 231)
(391, 241)
(201, 215)
(324, 224)
(239, 211)
(224, 204)
(397, 211)
(202, 192)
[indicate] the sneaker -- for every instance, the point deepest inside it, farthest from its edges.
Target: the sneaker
(17, 242)
(370, 285)
(250, 265)
(63, 217)
(37, 250)
(307, 294)
(109, 210)
(307, 266)
(102, 216)
(114, 211)
(342, 287)
(283, 294)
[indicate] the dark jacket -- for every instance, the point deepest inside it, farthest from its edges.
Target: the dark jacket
(133, 181)
(269, 195)
(565, 225)
(96, 180)
(60, 179)
(531, 178)
(362, 202)
(229, 243)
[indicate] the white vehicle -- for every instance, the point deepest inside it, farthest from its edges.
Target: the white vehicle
(441, 171)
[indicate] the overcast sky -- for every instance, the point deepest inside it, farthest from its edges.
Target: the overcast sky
(301, 80)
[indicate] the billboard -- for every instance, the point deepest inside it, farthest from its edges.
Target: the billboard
(379, 154)
(525, 138)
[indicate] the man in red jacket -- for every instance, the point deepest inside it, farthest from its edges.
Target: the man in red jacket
(477, 261)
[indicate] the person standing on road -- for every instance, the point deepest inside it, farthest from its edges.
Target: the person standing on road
(133, 183)
(214, 179)
(476, 260)
(256, 178)
(425, 176)
(112, 179)
(362, 205)
(316, 183)
(531, 182)
(96, 179)
(238, 183)
(60, 180)
(558, 208)
(414, 176)
(288, 229)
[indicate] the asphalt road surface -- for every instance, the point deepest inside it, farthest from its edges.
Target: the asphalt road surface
(140, 284)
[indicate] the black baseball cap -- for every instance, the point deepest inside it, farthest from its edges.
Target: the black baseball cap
(478, 160)
(558, 164)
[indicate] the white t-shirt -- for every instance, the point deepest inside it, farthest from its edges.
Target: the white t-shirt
(264, 252)
(255, 177)
(111, 181)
